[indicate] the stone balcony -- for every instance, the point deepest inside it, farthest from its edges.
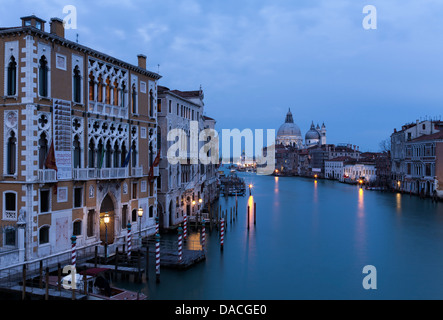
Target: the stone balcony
(107, 110)
(46, 176)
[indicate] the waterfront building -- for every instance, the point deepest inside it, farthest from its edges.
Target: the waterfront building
(187, 185)
(286, 159)
(383, 169)
(399, 139)
(334, 168)
(422, 157)
(355, 170)
(79, 141)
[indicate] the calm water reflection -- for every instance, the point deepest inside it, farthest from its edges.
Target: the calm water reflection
(311, 241)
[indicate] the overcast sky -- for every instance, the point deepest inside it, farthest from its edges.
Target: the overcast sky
(256, 58)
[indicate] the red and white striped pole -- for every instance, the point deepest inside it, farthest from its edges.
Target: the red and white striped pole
(157, 257)
(157, 227)
(74, 253)
(222, 233)
(203, 235)
(185, 226)
(129, 241)
(180, 248)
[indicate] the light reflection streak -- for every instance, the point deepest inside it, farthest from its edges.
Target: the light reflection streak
(360, 232)
(398, 200)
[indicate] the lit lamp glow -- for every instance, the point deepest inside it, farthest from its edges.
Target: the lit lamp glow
(140, 212)
(200, 200)
(106, 218)
(193, 202)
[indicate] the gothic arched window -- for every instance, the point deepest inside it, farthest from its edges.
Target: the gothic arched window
(12, 77)
(11, 153)
(43, 77)
(42, 150)
(77, 152)
(77, 85)
(134, 99)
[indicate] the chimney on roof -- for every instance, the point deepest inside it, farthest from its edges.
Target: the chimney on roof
(57, 27)
(142, 61)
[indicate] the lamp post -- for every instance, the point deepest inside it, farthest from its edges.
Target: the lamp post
(250, 188)
(140, 215)
(106, 220)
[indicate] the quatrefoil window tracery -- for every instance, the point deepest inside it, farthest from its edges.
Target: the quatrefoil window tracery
(43, 122)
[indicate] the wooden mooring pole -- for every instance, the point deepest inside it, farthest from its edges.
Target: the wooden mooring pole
(47, 284)
(24, 282)
(255, 212)
(157, 258)
(248, 217)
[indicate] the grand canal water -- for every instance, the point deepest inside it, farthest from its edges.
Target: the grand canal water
(311, 241)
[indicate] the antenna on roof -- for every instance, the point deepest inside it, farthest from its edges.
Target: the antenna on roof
(158, 69)
(77, 38)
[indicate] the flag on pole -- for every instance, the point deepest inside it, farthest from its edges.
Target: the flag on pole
(50, 162)
(154, 164)
(125, 164)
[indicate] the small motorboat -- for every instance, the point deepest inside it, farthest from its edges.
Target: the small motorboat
(97, 285)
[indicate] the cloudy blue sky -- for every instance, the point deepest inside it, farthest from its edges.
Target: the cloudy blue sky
(257, 58)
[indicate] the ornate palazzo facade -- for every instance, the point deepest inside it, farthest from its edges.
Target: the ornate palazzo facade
(92, 115)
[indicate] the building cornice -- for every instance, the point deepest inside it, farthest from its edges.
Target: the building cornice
(29, 30)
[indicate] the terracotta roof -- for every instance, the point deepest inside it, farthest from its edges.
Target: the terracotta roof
(434, 136)
(207, 118)
(187, 94)
(344, 158)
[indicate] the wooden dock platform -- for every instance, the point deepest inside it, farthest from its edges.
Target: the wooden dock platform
(40, 293)
(169, 258)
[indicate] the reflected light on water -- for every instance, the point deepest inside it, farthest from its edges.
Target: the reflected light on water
(398, 200)
(194, 241)
(315, 191)
(251, 210)
(276, 185)
(361, 203)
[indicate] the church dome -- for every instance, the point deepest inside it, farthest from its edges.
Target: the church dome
(313, 133)
(289, 128)
(289, 133)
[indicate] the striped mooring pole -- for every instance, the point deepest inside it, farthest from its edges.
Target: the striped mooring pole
(157, 226)
(74, 253)
(185, 226)
(222, 233)
(180, 245)
(129, 240)
(203, 237)
(157, 257)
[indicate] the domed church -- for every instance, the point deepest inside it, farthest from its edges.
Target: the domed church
(289, 134)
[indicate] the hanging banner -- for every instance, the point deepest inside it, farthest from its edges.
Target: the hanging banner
(62, 138)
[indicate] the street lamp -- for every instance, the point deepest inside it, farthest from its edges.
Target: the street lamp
(106, 220)
(140, 215)
(250, 187)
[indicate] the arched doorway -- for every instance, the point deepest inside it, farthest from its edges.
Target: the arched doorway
(107, 231)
